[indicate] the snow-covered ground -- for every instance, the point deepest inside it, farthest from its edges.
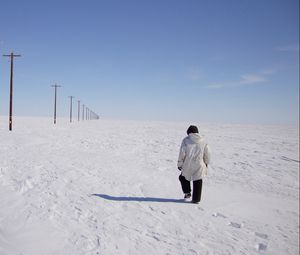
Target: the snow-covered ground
(111, 187)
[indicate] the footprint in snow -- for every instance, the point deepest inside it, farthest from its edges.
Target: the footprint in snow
(219, 215)
(261, 235)
(235, 225)
(25, 185)
(261, 247)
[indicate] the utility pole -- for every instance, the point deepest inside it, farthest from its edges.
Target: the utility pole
(71, 101)
(78, 110)
(11, 55)
(55, 86)
(83, 112)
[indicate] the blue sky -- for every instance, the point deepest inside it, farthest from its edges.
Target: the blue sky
(206, 61)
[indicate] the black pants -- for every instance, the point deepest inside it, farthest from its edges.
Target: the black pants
(186, 188)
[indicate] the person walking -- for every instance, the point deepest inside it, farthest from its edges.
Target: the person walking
(193, 160)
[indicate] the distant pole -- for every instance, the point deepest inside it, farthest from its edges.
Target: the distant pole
(12, 55)
(78, 110)
(55, 96)
(71, 103)
(82, 111)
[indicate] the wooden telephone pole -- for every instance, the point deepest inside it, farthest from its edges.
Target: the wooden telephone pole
(71, 103)
(11, 55)
(55, 96)
(78, 110)
(83, 112)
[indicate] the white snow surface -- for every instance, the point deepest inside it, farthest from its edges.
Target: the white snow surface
(111, 187)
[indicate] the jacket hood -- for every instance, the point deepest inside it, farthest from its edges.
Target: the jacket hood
(195, 137)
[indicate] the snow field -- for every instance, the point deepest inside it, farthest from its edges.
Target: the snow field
(111, 187)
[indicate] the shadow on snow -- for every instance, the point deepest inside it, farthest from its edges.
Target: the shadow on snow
(140, 199)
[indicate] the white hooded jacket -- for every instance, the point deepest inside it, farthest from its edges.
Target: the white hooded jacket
(194, 156)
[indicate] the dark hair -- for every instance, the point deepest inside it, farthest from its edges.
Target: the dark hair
(192, 129)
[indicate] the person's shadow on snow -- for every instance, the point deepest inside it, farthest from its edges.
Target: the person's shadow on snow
(140, 199)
